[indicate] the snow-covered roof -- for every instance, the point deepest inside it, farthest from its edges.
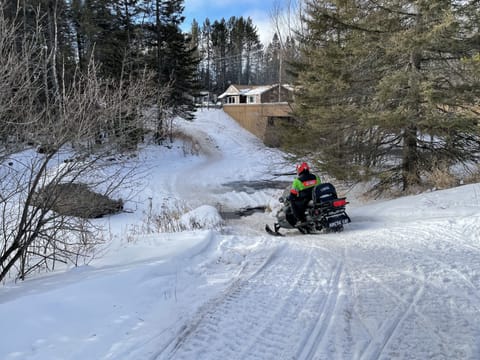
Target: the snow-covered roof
(236, 90)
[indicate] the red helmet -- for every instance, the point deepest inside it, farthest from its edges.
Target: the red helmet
(302, 167)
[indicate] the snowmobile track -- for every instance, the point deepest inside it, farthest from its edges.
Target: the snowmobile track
(254, 316)
(325, 318)
(322, 294)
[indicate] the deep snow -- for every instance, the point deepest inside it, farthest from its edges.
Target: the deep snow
(401, 282)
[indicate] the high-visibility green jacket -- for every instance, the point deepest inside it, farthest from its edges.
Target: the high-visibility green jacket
(306, 181)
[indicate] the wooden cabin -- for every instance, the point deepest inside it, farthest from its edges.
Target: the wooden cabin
(259, 108)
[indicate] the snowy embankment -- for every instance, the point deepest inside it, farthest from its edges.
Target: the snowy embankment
(401, 282)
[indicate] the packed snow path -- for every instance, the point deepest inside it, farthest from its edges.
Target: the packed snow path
(398, 286)
(409, 291)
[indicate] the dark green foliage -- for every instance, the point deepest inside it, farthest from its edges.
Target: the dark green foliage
(231, 53)
(272, 61)
(173, 57)
(388, 88)
(220, 36)
(98, 35)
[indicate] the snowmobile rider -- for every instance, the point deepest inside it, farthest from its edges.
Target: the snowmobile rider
(301, 191)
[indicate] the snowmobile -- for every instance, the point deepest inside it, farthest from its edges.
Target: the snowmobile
(324, 212)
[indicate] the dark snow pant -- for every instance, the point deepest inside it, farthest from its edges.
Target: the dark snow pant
(298, 209)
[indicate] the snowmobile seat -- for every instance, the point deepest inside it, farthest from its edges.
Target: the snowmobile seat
(324, 192)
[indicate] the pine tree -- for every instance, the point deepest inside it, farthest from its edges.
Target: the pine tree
(253, 48)
(101, 34)
(207, 55)
(235, 48)
(220, 36)
(388, 89)
(272, 61)
(129, 34)
(174, 60)
(290, 54)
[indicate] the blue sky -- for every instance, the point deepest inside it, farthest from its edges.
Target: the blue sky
(259, 10)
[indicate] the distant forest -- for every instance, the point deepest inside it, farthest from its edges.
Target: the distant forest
(230, 52)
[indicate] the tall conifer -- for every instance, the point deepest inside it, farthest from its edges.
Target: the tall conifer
(388, 87)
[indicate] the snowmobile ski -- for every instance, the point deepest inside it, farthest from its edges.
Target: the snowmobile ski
(275, 232)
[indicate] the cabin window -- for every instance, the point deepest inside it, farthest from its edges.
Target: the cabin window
(251, 99)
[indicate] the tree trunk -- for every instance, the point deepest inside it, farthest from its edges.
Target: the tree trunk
(410, 175)
(53, 29)
(410, 171)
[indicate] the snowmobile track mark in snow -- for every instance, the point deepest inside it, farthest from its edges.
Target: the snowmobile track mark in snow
(207, 312)
(325, 318)
(256, 311)
(386, 332)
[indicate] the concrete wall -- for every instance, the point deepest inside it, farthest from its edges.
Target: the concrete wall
(254, 117)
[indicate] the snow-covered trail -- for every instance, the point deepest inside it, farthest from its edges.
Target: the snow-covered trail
(401, 284)
(408, 291)
(270, 302)
(230, 154)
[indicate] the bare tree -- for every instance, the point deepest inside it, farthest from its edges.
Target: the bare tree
(74, 138)
(286, 18)
(19, 81)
